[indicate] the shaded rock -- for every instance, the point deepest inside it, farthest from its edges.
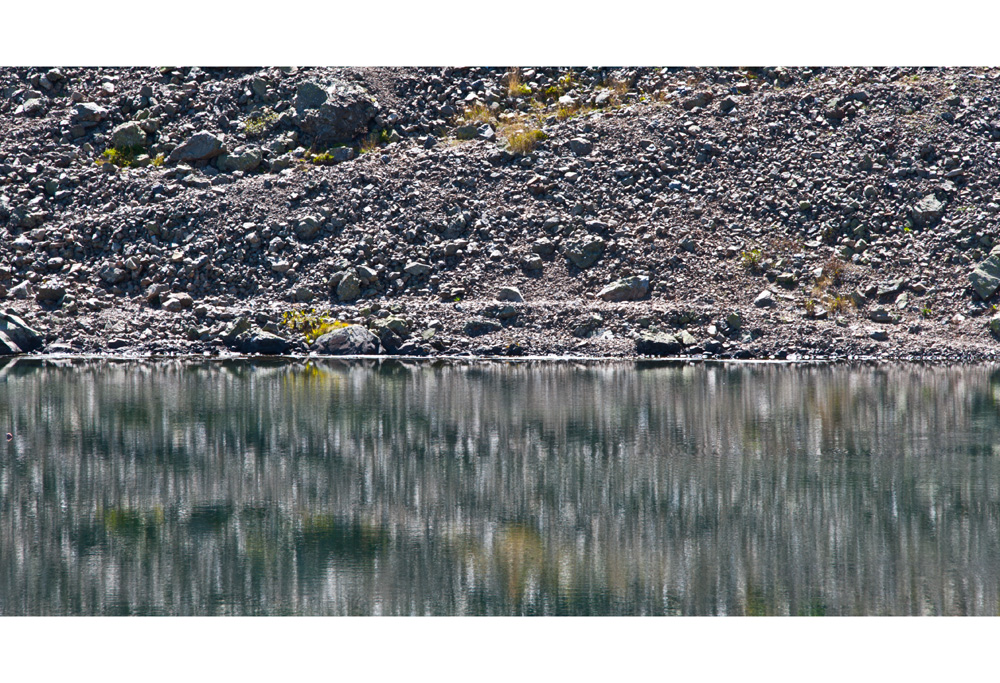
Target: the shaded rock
(202, 145)
(657, 344)
(307, 227)
(927, 211)
(49, 292)
(585, 251)
(16, 336)
(244, 159)
(333, 115)
(349, 287)
(734, 320)
(879, 335)
(353, 340)
(480, 326)
(309, 95)
(113, 275)
(265, 343)
(985, 279)
(626, 289)
(581, 147)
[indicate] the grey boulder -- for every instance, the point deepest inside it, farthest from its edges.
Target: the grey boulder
(244, 159)
(584, 252)
(128, 135)
(333, 115)
(985, 279)
(626, 289)
(353, 340)
(202, 145)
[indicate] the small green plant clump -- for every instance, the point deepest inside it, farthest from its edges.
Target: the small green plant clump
(373, 141)
(158, 160)
(325, 158)
(752, 260)
(261, 123)
(125, 157)
(310, 324)
(515, 86)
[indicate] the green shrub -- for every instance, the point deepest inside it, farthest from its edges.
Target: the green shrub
(261, 123)
(123, 158)
(310, 324)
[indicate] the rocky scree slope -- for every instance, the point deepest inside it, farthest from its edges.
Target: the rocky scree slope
(726, 213)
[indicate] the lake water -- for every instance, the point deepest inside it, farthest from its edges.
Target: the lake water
(334, 488)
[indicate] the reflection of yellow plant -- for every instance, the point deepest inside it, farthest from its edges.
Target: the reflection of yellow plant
(520, 555)
(310, 323)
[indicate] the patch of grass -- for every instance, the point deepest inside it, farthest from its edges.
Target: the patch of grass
(310, 324)
(515, 86)
(926, 312)
(571, 111)
(524, 140)
(479, 114)
(261, 123)
(840, 304)
(373, 141)
(158, 160)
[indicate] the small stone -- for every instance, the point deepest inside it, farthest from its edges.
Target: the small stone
(879, 335)
(510, 294)
(581, 147)
(626, 289)
(764, 300)
(417, 269)
(178, 302)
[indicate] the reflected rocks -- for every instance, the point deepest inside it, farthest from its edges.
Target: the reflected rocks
(358, 487)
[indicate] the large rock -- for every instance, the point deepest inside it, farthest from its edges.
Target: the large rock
(244, 159)
(584, 251)
(128, 136)
(16, 336)
(626, 289)
(202, 145)
(657, 344)
(927, 211)
(337, 114)
(985, 278)
(353, 340)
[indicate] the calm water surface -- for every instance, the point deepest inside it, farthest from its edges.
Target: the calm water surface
(534, 488)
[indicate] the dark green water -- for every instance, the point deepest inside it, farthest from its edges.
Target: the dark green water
(538, 488)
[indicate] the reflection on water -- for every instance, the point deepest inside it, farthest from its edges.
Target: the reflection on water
(391, 488)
